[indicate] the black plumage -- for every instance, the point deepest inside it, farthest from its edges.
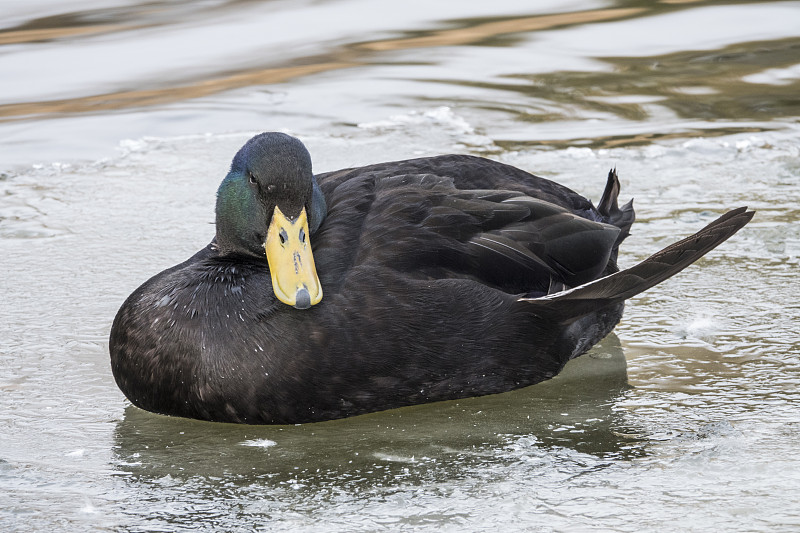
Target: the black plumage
(443, 278)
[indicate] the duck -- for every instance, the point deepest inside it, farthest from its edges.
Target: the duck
(365, 289)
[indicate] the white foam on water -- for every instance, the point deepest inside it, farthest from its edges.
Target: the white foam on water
(259, 443)
(775, 76)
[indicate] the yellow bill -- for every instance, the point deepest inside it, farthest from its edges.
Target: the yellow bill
(291, 264)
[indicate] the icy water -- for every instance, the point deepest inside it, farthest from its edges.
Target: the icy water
(118, 119)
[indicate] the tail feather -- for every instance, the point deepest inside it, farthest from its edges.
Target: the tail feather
(609, 208)
(569, 305)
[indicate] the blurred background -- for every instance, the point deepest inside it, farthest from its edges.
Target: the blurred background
(79, 77)
(119, 118)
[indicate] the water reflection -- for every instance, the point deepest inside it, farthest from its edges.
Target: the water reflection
(136, 18)
(576, 410)
(693, 87)
(561, 74)
(683, 79)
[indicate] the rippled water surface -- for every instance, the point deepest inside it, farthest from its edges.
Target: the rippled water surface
(118, 119)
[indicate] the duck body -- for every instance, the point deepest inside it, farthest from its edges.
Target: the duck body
(443, 278)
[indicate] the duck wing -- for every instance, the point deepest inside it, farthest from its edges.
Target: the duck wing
(474, 173)
(570, 305)
(426, 227)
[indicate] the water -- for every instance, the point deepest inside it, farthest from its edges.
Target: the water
(118, 121)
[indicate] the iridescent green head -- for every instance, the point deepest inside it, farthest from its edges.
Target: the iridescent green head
(268, 206)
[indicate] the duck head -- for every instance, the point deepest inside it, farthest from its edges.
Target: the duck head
(269, 204)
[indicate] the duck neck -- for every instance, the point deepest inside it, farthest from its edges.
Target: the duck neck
(238, 212)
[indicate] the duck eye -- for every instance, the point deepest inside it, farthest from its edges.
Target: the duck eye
(283, 236)
(252, 178)
(270, 188)
(302, 235)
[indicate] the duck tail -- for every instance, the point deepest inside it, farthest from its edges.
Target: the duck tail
(609, 208)
(567, 306)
